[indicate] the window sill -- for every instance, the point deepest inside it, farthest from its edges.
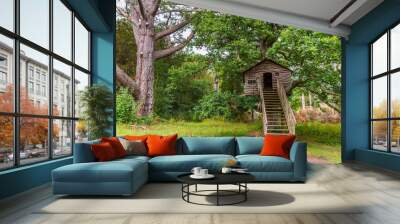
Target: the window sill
(25, 167)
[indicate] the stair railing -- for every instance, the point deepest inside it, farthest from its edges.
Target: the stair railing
(264, 112)
(287, 110)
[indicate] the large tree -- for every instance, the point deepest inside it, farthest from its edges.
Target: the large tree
(151, 21)
(233, 43)
(315, 59)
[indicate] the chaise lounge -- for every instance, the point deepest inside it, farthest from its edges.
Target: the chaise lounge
(125, 176)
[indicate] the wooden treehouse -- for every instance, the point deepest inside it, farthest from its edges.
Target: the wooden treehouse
(271, 81)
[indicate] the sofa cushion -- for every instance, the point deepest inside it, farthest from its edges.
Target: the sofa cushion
(112, 171)
(136, 147)
(161, 145)
(185, 163)
(206, 145)
(249, 145)
(103, 152)
(116, 145)
(277, 145)
(257, 163)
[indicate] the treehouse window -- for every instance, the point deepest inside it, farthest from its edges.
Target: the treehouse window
(385, 94)
(36, 63)
(251, 82)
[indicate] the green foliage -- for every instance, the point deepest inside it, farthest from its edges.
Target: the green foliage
(224, 105)
(325, 133)
(233, 43)
(125, 47)
(315, 59)
(183, 84)
(97, 104)
(126, 107)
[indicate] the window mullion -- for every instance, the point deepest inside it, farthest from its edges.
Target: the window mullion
(389, 101)
(73, 82)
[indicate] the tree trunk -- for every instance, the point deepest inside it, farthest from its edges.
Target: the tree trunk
(145, 71)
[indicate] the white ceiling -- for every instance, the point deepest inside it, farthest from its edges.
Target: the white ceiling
(314, 15)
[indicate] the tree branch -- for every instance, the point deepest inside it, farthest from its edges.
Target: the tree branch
(155, 7)
(169, 51)
(171, 29)
(125, 80)
(142, 10)
(331, 105)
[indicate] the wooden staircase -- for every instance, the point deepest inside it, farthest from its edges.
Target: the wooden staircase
(278, 117)
(274, 112)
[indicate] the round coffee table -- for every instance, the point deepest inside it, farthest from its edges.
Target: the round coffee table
(238, 179)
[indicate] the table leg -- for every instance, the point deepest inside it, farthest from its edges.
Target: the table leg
(195, 188)
(245, 193)
(217, 194)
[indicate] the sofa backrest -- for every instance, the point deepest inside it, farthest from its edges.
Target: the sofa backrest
(249, 145)
(206, 145)
(83, 153)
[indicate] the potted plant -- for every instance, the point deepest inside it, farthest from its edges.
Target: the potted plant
(97, 104)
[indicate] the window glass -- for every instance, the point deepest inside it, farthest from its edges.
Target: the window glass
(395, 95)
(6, 74)
(81, 82)
(379, 98)
(81, 131)
(379, 135)
(81, 45)
(62, 91)
(379, 56)
(395, 136)
(35, 21)
(395, 47)
(33, 140)
(7, 14)
(62, 29)
(62, 138)
(6, 142)
(39, 62)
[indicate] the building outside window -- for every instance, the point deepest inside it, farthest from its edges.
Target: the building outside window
(385, 92)
(30, 87)
(63, 124)
(3, 72)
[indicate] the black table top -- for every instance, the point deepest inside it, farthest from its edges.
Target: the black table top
(220, 178)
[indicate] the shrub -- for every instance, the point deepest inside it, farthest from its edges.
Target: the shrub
(224, 105)
(97, 104)
(325, 133)
(324, 115)
(126, 107)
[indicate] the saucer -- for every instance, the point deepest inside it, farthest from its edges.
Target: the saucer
(208, 176)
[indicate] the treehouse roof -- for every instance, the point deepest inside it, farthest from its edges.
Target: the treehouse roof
(267, 60)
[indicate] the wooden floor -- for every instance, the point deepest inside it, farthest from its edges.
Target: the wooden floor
(379, 189)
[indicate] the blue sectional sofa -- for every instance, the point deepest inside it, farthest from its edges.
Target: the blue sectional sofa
(125, 176)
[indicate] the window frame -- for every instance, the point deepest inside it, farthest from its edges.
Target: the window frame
(388, 74)
(16, 114)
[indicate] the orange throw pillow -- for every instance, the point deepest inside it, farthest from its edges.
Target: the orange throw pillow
(277, 145)
(103, 152)
(116, 145)
(161, 145)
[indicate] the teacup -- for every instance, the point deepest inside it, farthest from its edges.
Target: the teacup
(226, 170)
(203, 172)
(196, 171)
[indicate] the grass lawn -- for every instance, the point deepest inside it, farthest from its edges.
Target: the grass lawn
(224, 128)
(204, 128)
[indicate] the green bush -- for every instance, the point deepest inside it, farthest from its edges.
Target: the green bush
(325, 133)
(223, 105)
(97, 104)
(126, 107)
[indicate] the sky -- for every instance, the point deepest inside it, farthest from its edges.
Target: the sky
(35, 27)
